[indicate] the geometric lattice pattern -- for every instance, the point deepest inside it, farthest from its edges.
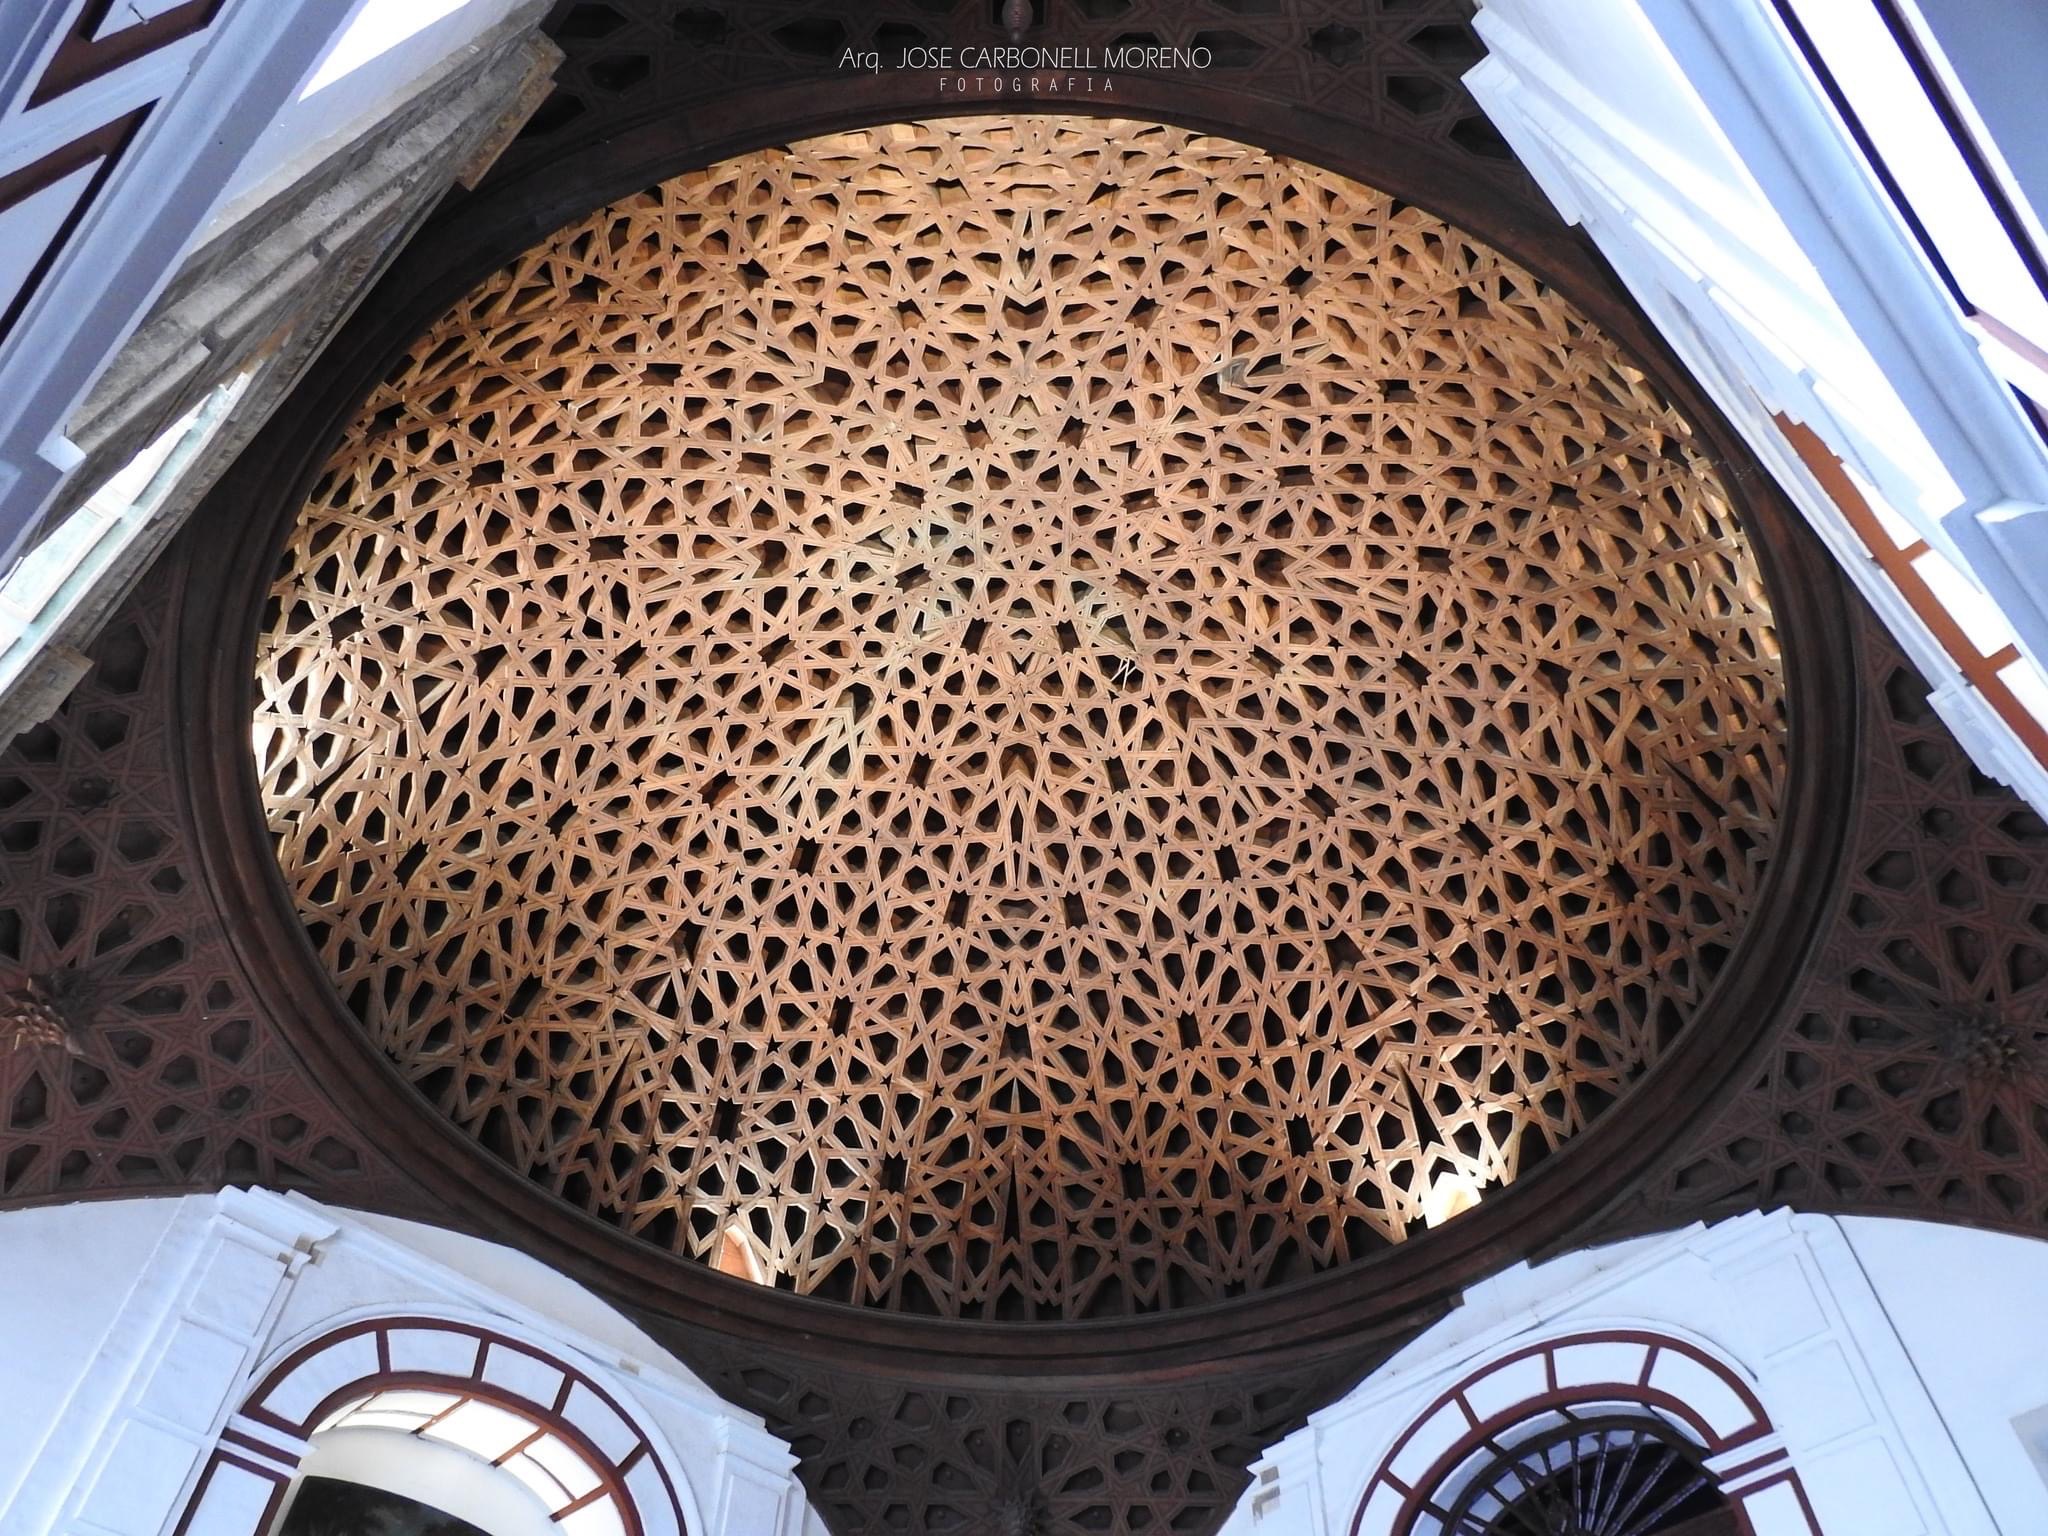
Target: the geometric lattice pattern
(1906, 1076)
(1911, 1074)
(1054, 716)
(131, 1057)
(909, 1458)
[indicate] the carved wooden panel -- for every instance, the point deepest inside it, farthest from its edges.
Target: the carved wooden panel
(1057, 716)
(1911, 1076)
(134, 1057)
(130, 1056)
(1392, 64)
(988, 1458)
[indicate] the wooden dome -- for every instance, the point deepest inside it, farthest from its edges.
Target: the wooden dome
(1027, 718)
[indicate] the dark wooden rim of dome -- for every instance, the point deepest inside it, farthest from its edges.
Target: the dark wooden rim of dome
(245, 521)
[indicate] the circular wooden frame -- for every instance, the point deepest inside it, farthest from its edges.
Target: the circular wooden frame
(250, 512)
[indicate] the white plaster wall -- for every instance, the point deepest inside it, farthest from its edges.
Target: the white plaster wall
(132, 1332)
(525, 1282)
(1891, 1358)
(209, 95)
(66, 1274)
(309, 128)
(1688, 140)
(1971, 1309)
(731, 1474)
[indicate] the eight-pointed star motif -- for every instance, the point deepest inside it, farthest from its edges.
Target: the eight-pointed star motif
(1059, 716)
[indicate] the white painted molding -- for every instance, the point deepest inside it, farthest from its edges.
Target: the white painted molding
(1848, 1437)
(167, 1423)
(1688, 140)
(209, 95)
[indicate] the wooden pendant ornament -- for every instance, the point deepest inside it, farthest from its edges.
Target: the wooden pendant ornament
(1053, 716)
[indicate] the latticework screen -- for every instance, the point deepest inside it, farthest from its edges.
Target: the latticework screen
(1054, 716)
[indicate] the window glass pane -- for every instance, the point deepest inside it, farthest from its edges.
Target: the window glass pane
(547, 1489)
(481, 1429)
(421, 1404)
(377, 1418)
(339, 1414)
(600, 1517)
(565, 1463)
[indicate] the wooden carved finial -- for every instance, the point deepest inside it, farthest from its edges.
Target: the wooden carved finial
(1980, 1045)
(43, 1011)
(1019, 1510)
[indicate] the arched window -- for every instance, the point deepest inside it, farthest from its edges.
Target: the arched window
(422, 1427)
(1618, 1432)
(577, 1497)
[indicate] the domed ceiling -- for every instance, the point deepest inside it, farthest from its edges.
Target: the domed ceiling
(1020, 718)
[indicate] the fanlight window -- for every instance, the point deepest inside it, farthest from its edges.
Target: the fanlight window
(578, 1498)
(1605, 1476)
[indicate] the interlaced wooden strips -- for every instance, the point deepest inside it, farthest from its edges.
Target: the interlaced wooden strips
(133, 1056)
(1056, 716)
